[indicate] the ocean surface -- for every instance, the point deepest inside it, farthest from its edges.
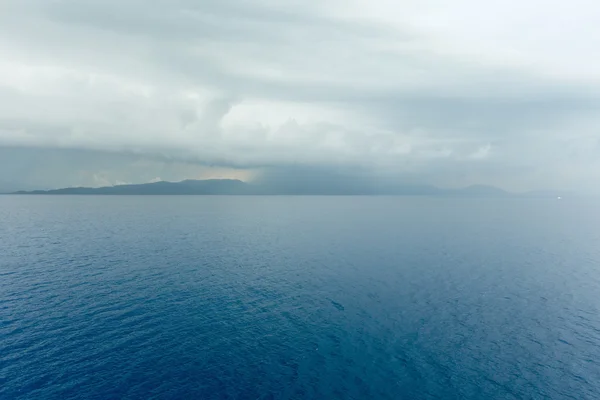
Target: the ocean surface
(299, 298)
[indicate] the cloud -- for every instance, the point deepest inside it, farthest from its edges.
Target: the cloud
(413, 90)
(481, 153)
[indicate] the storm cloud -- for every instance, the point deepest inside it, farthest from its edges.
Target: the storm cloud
(504, 93)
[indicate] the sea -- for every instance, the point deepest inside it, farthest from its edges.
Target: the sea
(308, 297)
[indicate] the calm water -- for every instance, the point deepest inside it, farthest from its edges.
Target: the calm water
(298, 298)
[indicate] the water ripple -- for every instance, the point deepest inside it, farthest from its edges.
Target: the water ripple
(291, 298)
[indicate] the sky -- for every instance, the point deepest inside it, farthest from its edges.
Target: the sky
(103, 92)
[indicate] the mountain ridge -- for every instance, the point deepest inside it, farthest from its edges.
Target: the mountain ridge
(238, 187)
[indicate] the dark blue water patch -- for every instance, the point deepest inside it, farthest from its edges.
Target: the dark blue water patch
(298, 297)
(337, 305)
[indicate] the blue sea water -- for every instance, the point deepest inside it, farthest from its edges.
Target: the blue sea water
(298, 298)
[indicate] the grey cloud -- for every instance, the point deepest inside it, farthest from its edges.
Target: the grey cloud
(114, 76)
(28, 168)
(474, 116)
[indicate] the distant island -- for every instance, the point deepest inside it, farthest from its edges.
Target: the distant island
(238, 187)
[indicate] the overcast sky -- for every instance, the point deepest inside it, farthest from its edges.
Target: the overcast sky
(100, 92)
